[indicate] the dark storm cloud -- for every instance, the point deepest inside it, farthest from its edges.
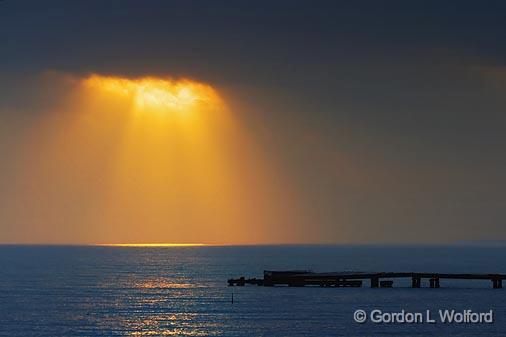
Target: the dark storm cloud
(389, 116)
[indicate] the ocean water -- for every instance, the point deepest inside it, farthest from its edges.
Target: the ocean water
(182, 291)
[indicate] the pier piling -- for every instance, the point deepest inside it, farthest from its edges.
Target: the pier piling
(434, 282)
(497, 283)
(416, 282)
(386, 284)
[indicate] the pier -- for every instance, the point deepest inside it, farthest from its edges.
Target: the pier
(302, 278)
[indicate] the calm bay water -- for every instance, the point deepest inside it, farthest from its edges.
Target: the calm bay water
(182, 291)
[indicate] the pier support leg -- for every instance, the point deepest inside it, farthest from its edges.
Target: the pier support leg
(374, 282)
(415, 282)
(434, 282)
(497, 283)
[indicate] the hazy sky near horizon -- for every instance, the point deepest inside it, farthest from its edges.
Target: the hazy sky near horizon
(366, 121)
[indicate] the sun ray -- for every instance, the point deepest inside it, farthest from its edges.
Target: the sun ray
(149, 159)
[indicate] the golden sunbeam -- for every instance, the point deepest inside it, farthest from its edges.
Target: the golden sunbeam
(150, 159)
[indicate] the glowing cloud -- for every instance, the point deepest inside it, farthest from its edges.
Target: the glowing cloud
(160, 94)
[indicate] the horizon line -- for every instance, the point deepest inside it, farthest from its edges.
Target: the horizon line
(186, 244)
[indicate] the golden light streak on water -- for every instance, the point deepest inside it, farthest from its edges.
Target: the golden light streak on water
(153, 244)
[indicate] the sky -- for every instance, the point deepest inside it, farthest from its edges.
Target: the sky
(342, 122)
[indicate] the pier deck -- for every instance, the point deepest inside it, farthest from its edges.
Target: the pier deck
(301, 278)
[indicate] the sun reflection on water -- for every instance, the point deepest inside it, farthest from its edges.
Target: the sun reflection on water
(163, 284)
(181, 324)
(155, 245)
(152, 303)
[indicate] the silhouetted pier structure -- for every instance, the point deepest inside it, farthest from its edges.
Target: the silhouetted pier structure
(302, 278)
